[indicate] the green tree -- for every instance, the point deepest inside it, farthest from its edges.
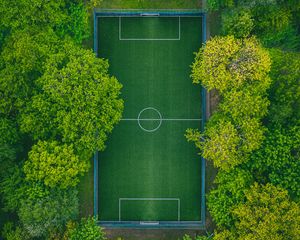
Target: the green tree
(284, 92)
(267, 213)
(245, 103)
(78, 101)
(278, 159)
(219, 4)
(226, 63)
(86, 229)
(238, 69)
(229, 192)
(55, 165)
(274, 22)
(41, 215)
(21, 63)
(8, 131)
(12, 188)
(64, 17)
(238, 23)
(225, 143)
(220, 144)
(10, 232)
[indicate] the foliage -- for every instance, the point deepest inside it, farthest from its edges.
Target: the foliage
(21, 63)
(225, 235)
(268, 213)
(238, 23)
(225, 63)
(228, 193)
(286, 39)
(23, 13)
(284, 92)
(11, 188)
(8, 131)
(187, 237)
(274, 21)
(78, 102)
(243, 104)
(219, 4)
(64, 17)
(238, 69)
(38, 216)
(220, 145)
(7, 159)
(225, 143)
(76, 24)
(53, 164)
(278, 159)
(86, 229)
(9, 233)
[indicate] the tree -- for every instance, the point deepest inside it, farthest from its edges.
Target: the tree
(55, 165)
(226, 63)
(12, 188)
(229, 192)
(78, 101)
(21, 63)
(64, 17)
(238, 69)
(278, 159)
(275, 22)
(246, 103)
(284, 92)
(219, 4)
(8, 131)
(267, 213)
(10, 232)
(39, 215)
(86, 229)
(227, 143)
(238, 23)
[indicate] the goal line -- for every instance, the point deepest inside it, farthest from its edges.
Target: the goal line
(149, 199)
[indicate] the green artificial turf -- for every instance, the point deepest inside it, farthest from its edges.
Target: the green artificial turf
(139, 162)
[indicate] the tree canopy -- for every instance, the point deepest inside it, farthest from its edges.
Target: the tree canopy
(52, 211)
(78, 101)
(239, 70)
(55, 165)
(227, 63)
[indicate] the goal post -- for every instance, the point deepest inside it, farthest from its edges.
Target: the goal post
(149, 14)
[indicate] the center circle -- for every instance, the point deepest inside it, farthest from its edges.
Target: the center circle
(140, 119)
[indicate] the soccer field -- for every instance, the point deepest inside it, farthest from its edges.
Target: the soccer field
(149, 172)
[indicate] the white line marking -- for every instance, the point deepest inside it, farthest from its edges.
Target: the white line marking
(163, 119)
(150, 199)
(150, 39)
(179, 28)
(160, 119)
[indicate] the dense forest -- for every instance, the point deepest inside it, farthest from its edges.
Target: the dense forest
(58, 103)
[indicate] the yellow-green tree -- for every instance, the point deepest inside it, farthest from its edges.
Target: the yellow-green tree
(54, 165)
(267, 213)
(226, 63)
(238, 69)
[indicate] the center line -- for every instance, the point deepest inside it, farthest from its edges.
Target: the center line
(163, 119)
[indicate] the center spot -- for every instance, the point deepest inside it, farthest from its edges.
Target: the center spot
(149, 119)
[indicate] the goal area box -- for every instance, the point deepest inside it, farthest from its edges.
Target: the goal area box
(149, 176)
